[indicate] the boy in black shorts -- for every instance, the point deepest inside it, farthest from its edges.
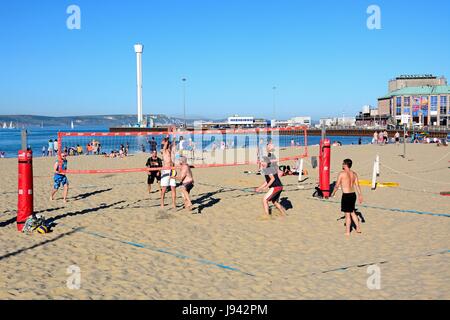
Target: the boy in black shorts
(153, 162)
(273, 186)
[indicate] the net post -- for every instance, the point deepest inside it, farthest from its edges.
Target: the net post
(305, 132)
(374, 176)
(258, 155)
(300, 170)
(404, 140)
(378, 165)
(24, 139)
(59, 151)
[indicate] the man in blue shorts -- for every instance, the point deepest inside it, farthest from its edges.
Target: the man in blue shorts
(60, 178)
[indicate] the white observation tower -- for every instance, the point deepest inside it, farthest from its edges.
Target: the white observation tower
(139, 48)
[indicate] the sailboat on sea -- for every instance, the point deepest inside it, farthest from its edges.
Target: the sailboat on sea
(71, 125)
(4, 125)
(11, 125)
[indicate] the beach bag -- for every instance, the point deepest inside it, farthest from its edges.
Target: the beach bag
(36, 222)
(318, 193)
(313, 162)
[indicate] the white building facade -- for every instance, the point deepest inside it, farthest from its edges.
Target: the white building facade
(299, 121)
(241, 121)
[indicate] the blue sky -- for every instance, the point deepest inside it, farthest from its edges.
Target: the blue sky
(319, 54)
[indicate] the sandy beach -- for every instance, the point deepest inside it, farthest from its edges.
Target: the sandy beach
(126, 247)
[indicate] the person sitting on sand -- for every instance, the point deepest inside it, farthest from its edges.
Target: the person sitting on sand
(60, 178)
(187, 181)
(273, 186)
(348, 180)
(154, 162)
(88, 149)
(286, 171)
(79, 149)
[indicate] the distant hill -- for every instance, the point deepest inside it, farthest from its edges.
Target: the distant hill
(116, 120)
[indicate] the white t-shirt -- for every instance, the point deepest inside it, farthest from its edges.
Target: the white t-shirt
(181, 145)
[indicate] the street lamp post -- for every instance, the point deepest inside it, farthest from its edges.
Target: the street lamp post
(184, 101)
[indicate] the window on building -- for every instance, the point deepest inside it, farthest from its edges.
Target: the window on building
(407, 101)
(433, 103)
(399, 101)
(444, 104)
(398, 111)
(406, 110)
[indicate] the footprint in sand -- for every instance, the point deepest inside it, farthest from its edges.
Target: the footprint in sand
(162, 214)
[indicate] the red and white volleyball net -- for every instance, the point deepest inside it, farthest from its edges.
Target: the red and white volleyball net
(122, 152)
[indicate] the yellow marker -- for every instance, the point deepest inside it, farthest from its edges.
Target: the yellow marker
(368, 183)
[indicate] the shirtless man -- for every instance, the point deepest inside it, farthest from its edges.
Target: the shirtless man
(348, 180)
(167, 175)
(397, 138)
(187, 181)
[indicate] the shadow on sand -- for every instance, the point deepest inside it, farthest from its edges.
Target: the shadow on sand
(14, 253)
(89, 194)
(360, 217)
(84, 211)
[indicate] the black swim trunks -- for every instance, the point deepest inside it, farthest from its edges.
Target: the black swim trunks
(152, 176)
(348, 202)
(188, 186)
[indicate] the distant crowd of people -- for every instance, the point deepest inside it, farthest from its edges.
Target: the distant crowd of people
(121, 153)
(51, 149)
(382, 137)
(93, 147)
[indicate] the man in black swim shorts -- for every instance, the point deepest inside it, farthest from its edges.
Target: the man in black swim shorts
(187, 182)
(348, 180)
(153, 162)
